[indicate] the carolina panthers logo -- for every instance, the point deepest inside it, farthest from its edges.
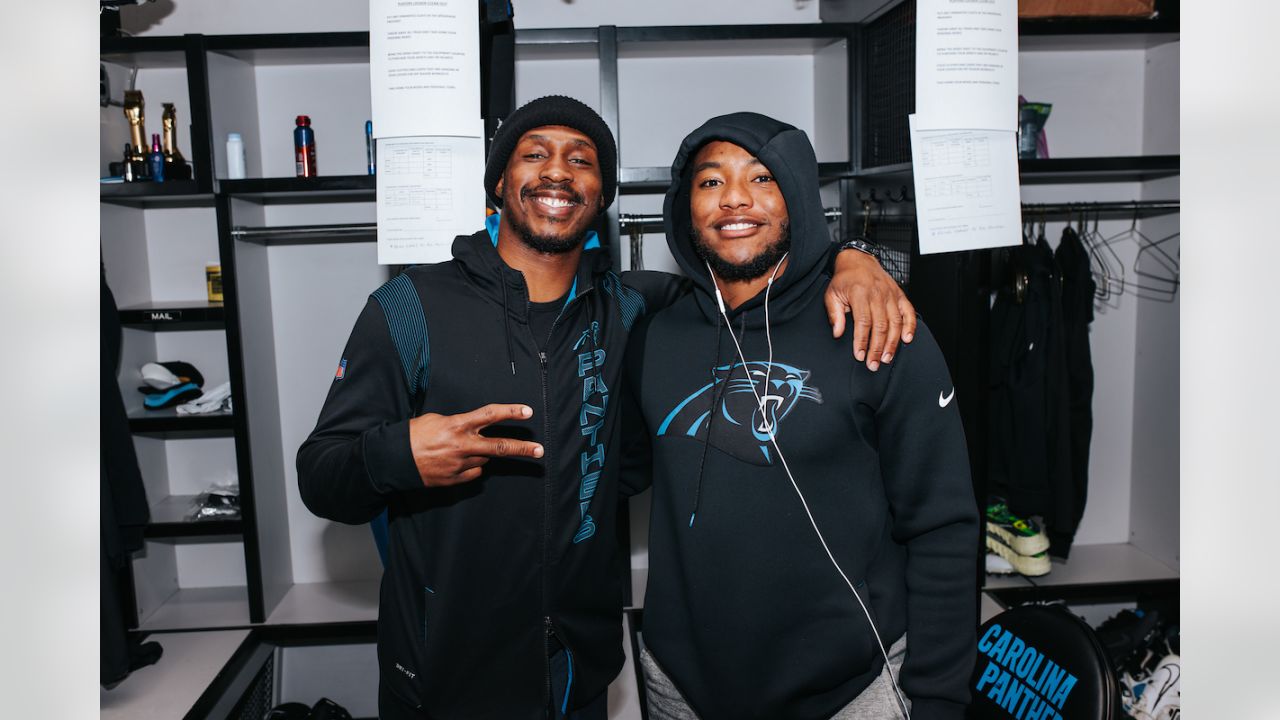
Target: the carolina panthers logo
(742, 429)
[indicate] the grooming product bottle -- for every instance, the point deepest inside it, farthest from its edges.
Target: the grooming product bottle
(370, 150)
(170, 120)
(128, 163)
(304, 147)
(235, 157)
(213, 281)
(155, 161)
(135, 113)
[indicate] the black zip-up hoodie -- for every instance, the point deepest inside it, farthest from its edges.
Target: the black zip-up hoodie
(478, 575)
(744, 610)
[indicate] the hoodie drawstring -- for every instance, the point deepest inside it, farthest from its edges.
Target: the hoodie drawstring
(718, 389)
(506, 324)
(716, 394)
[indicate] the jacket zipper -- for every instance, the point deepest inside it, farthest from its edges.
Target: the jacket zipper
(548, 465)
(546, 523)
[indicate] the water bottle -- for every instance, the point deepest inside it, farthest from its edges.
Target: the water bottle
(235, 157)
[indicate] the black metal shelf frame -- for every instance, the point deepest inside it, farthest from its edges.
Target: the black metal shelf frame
(174, 316)
(170, 424)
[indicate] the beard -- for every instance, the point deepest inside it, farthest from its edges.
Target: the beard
(749, 270)
(547, 244)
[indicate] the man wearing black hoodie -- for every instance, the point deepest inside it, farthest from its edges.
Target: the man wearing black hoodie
(812, 522)
(472, 404)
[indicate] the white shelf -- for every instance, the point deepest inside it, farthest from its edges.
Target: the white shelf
(169, 688)
(1105, 564)
(213, 607)
(1004, 582)
(312, 603)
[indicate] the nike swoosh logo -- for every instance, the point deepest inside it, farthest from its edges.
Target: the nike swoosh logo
(944, 401)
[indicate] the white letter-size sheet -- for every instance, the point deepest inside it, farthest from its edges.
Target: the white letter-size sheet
(967, 193)
(424, 78)
(430, 189)
(424, 67)
(967, 64)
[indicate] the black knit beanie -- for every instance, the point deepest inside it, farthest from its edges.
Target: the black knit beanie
(553, 110)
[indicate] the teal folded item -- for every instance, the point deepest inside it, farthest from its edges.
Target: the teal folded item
(175, 395)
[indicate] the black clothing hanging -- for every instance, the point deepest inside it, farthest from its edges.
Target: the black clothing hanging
(1078, 290)
(122, 503)
(1030, 446)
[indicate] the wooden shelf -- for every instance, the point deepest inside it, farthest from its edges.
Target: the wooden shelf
(168, 422)
(169, 520)
(1166, 21)
(182, 315)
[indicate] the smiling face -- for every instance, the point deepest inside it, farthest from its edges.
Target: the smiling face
(739, 217)
(551, 188)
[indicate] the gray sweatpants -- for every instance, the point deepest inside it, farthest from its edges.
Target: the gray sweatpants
(877, 702)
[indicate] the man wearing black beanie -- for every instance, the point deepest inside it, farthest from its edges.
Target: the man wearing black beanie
(472, 405)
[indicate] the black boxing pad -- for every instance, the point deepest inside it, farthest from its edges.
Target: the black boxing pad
(1041, 662)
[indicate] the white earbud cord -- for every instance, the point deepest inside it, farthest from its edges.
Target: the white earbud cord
(774, 439)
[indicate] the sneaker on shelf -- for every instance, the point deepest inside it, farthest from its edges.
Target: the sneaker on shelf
(1024, 535)
(997, 565)
(1029, 565)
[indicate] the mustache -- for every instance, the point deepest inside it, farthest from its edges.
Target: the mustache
(574, 195)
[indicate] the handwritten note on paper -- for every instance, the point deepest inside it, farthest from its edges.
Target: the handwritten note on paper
(430, 189)
(967, 194)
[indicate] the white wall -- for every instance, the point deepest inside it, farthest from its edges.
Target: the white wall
(1157, 401)
(316, 294)
(175, 17)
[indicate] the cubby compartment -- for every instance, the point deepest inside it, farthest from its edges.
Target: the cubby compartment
(260, 84)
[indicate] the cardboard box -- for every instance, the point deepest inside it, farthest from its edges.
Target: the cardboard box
(1035, 9)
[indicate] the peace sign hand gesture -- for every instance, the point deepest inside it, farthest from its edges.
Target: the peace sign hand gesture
(449, 449)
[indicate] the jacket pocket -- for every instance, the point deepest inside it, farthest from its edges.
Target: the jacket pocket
(402, 646)
(865, 615)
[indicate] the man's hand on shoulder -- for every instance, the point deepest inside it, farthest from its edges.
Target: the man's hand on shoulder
(882, 315)
(449, 449)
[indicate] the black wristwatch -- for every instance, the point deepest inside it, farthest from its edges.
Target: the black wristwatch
(861, 245)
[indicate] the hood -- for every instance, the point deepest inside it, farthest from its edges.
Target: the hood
(789, 155)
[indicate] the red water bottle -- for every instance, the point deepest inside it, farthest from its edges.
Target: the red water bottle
(304, 147)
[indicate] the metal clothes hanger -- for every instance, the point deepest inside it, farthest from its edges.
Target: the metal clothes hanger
(637, 246)
(1161, 270)
(1114, 267)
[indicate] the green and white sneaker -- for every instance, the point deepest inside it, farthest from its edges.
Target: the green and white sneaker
(1023, 535)
(1029, 565)
(997, 565)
